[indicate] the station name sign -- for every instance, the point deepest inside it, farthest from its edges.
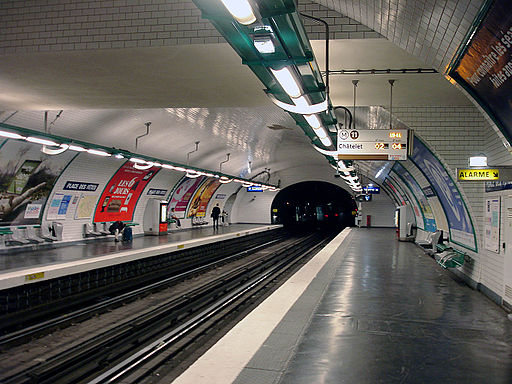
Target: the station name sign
(371, 189)
(373, 144)
(478, 174)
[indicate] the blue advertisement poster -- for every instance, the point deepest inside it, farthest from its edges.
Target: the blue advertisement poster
(461, 227)
(428, 217)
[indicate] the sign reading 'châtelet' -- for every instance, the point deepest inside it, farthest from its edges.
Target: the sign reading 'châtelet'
(478, 174)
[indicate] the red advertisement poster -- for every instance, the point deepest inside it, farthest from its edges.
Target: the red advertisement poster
(121, 194)
(202, 197)
(182, 195)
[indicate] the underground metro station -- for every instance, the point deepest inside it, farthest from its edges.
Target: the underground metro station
(255, 191)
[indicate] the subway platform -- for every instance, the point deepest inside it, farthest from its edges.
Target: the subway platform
(366, 309)
(24, 266)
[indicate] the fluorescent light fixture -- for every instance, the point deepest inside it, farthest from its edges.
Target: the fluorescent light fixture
(478, 161)
(168, 166)
(77, 148)
(313, 121)
(192, 173)
(119, 156)
(247, 185)
(287, 81)
(11, 135)
(142, 167)
(326, 152)
(98, 152)
(38, 140)
(180, 169)
(56, 151)
(302, 107)
(264, 44)
(137, 160)
(225, 180)
(326, 141)
(241, 10)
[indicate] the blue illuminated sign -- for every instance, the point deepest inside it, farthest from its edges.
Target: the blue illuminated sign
(254, 189)
(371, 189)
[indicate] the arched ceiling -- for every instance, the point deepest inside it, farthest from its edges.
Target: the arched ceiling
(204, 93)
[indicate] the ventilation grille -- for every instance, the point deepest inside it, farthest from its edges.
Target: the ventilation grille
(508, 291)
(509, 213)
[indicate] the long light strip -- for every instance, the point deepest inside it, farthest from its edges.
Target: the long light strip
(287, 81)
(38, 140)
(241, 10)
(12, 135)
(98, 152)
(139, 163)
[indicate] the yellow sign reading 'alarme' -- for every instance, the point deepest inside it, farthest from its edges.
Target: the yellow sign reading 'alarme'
(478, 174)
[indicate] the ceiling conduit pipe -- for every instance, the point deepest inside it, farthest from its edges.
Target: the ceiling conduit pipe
(195, 150)
(266, 171)
(326, 25)
(147, 133)
(222, 162)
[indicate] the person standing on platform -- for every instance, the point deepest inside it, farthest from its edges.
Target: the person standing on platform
(215, 216)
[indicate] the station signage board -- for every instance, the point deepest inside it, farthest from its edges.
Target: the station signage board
(486, 174)
(254, 189)
(373, 144)
(371, 189)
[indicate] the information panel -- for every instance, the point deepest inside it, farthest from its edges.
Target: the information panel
(373, 144)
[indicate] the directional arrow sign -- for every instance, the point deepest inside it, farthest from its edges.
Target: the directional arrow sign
(481, 174)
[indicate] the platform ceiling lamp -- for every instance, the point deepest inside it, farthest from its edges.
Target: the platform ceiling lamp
(241, 10)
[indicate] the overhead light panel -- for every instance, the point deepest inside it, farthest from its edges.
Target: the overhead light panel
(98, 152)
(287, 81)
(264, 44)
(478, 161)
(77, 148)
(313, 121)
(38, 140)
(11, 135)
(241, 10)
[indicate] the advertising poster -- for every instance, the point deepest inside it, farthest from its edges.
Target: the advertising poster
(27, 176)
(428, 217)
(199, 202)
(461, 227)
(413, 203)
(492, 225)
(86, 206)
(58, 207)
(392, 188)
(485, 69)
(120, 196)
(183, 193)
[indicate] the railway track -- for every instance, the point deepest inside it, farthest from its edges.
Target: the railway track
(140, 347)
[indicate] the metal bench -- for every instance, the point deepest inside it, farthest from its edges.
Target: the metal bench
(449, 257)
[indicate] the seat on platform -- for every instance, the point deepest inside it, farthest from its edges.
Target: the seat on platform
(17, 237)
(47, 234)
(31, 235)
(89, 232)
(101, 228)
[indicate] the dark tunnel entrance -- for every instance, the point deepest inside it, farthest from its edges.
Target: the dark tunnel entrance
(314, 204)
